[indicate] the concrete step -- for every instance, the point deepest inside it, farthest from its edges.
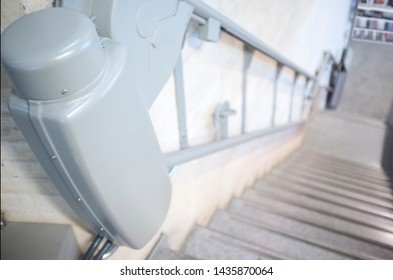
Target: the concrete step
(336, 168)
(348, 162)
(282, 177)
(321, 214)
(339, 242)
(314, 206)
(313, 202)
(338, 181)
(259, 235)
(208, 244)
(345, 165)
(333, 171)
(161, 251)
(379, 214)
(167, 254)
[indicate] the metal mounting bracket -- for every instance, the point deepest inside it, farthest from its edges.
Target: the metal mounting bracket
(220, 118)
(210, 31)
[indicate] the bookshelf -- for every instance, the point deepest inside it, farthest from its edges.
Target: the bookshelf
(374, 21)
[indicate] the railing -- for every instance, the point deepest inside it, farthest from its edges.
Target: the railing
(205, 15)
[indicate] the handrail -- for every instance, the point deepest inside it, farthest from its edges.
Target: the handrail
(178, 157)
(205, 11)
(202, 14)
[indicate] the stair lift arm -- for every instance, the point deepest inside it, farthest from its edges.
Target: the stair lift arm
(152, 30)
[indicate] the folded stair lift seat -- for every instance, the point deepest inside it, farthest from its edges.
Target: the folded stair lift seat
(85, 117)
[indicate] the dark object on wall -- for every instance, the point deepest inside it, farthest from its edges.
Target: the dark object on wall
(337, 79)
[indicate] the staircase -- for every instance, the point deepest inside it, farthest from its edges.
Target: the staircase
(313, 206)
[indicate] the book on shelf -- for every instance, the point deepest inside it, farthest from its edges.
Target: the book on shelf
(369, 35)
(377, 2)
(375, 25)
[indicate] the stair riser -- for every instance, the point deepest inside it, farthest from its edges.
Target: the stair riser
(340, 173)
(373, 212)
(279, 177)
(295, 248)
(321, 218)
(339, 176)
(316, 234)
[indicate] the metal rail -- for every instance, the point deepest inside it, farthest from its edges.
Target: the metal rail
(178, 157)
(202, 14)
(205, 11)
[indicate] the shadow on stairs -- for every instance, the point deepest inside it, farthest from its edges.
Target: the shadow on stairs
(313, 206)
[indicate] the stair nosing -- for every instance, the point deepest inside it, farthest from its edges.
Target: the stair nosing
(323, 188)
(315, 154)
(275, 231)
(385, 228)
(332, 216)
(376, 174)
(339, 178)
(382, 185)
(358, 255)
(243, 247)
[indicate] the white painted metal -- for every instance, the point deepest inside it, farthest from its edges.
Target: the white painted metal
(210, 31)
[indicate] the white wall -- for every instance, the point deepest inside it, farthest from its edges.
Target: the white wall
(300, 30)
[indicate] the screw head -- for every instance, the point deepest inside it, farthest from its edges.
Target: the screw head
(64, 92)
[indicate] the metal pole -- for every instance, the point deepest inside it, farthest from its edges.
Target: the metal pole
(180, 103)
(275, 88)
(248, 53)
(105, 248)
(292, 97)
(92, 248)
(178, 157)
(304, 97)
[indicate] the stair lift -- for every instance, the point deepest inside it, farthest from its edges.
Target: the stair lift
(84, 81)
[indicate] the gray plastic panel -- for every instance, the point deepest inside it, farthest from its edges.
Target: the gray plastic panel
(41, 50)
(31, 241)
(97, 144)
(153, 31)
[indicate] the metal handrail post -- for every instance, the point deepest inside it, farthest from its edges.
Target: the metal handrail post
(180, 103)
(275, 89)
(248, 54)
(292, 97)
